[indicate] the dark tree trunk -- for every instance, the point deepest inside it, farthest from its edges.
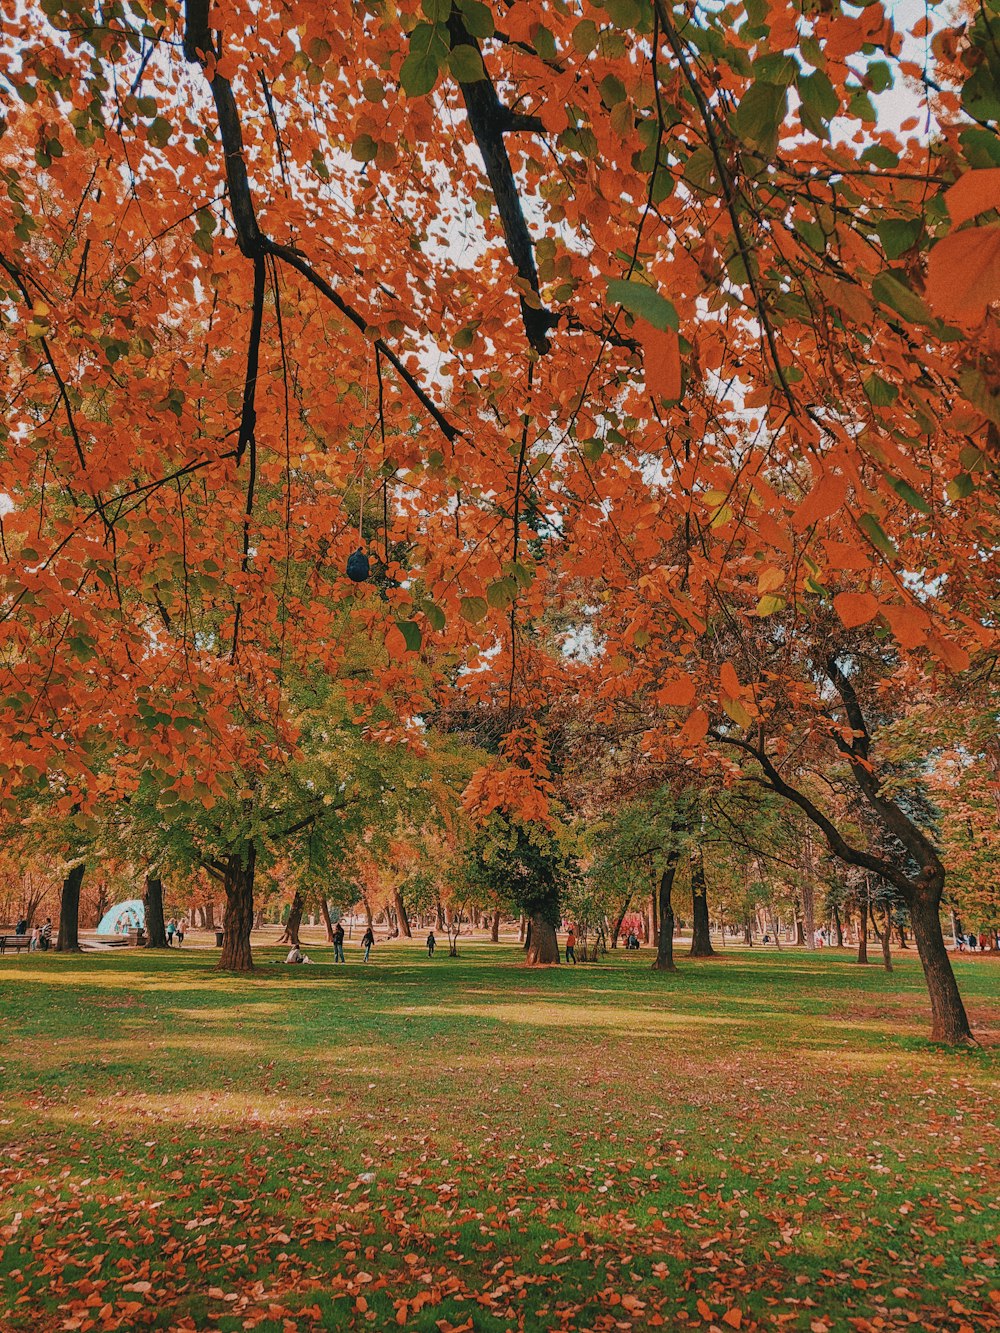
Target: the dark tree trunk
(156, 931)
(863, 931)
(404, 921)
(800, 934)
(838, 926)
(495, 927)
(238, 922)
(544, 947)
(901, 935)
(69, 911)
(747, 932)
(618, 924)
(654, 920)
(949, 1021)
(440, 915)
(368, 910)
(294, 923)
(527, 936)
(324, 908)
(208, 915)
(664, 961)
(701, 935)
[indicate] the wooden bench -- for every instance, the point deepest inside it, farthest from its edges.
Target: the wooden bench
(15, 943)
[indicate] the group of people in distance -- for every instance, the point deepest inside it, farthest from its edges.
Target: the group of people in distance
(41, 936)
(175, 932)
(971, 941)
(295, 954)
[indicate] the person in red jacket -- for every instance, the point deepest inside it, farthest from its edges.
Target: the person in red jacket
(571, 946)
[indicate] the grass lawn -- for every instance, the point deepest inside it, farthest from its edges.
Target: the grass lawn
(761, 1141)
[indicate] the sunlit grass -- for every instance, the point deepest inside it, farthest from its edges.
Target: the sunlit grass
(526, 1149)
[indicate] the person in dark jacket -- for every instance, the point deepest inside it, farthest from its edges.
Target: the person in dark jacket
(431, 944)
(338, 943)
(367, 940)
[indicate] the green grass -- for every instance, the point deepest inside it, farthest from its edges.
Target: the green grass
(589, 1148)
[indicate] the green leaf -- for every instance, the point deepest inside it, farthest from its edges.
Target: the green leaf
(758, 119)
(644, 301)
(960, 487)
(478, 18)
(438, 11)
(501, 593)
(428, 52)
(435, 616)
(906, 492)
(817, 93)
(159, 132)
(879, 391)
(879, 76)
(411, 633)
(592, 449)
(888, 289)
(466, 64)
(364, 148)
(879, 156)
(472, 609)
(898, 236)
(586, 36)
(870, 525)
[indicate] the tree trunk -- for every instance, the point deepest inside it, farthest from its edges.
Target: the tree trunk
(527, 936)
(368, 910)
(404, 920)
(495, 927)
(701, 935)
(324, 908)
(884, 936)
(238, 920)
(838, 926)
(156, 931)
(949, 1021)
(294, 922)
(69, 911)
(901, 935)
(747, 932)
(520, 929)
(544, 947)
(654, 920)
(618, 924)
(664, 961)
(440, 915)
(863, 932)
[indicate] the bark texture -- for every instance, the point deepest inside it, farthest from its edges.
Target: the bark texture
(544, 947)
(156, 931)
(69, 911)
(238, 922)
(701, 936)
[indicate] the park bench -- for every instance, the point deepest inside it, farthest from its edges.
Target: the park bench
(14, 943)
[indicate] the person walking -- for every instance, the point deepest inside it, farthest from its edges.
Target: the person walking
(179, 933)
(571, 946)
(338, 942)
(36, 940)
(367, 940)
(431, 944)
(46, 935)
(171, 930)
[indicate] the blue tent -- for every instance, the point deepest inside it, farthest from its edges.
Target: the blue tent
(123, 917)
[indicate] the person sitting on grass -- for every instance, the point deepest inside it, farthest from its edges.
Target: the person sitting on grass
(367, 940)
(295, 955)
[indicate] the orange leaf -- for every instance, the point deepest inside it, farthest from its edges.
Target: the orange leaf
(704, 1310)
(909, 624)
(729, 680)
(952, 654)
(855, 608)
(680, 692)
(975, 192)
(963, 273)
(695, 729)
(824, 499)
(661, 359)
(733, 1317)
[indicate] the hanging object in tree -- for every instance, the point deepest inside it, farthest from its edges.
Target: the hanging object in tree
(357, 566)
